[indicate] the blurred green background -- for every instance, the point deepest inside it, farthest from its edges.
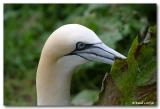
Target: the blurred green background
(27, 26)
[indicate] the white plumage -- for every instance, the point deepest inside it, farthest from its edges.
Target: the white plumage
(66, 48)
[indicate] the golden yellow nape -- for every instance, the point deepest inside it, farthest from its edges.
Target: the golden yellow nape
(67, 47)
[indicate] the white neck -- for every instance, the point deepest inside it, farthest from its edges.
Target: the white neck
(53, 81)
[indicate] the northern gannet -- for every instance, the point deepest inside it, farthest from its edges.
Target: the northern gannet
(67, 47)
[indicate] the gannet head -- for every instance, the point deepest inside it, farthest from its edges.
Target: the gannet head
(78, 44)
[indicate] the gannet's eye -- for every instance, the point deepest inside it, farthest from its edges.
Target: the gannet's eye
(80, 46)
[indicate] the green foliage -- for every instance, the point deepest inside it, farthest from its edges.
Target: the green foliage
(137, 71)
(147, 59)
(85, 97)
(27, 26)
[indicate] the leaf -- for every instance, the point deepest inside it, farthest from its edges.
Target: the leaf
(134, 79)
(146, 58)
(85, 97)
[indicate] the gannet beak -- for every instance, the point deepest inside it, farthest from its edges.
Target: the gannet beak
(99, 52)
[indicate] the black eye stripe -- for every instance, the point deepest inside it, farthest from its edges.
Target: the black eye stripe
(82, 46)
